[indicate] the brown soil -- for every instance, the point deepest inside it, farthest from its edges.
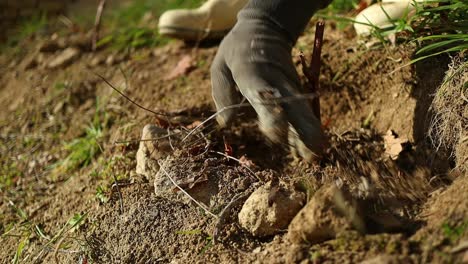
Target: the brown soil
(362, 97)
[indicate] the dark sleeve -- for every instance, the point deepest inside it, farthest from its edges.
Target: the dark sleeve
(291, 16)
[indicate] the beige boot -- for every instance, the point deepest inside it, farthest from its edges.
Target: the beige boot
(379, 14)
(212, 20)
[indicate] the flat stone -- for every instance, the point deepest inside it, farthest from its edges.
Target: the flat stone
(65, 58)
(270, 209)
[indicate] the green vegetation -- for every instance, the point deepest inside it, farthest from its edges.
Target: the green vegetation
(24, 231)
(101, 194)
(208, 239)
(315, 256)
(73, 224)
(25, 28)
(9, 172)
(340, 6)
(438, 26)
(131, 26)
(454, 232)
(83, 150)
(130, 31)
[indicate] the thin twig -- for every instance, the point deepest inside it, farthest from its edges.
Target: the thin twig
(186, 193)
(117, 187)
(128, 98)
(97, 23)
(146, 140)
(169, 138)
(57, 247)
(223, 215)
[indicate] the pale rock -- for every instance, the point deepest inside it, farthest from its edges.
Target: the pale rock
(151, 150)
(95, 61)
(383, 259)
(110, 60)
(269, 209)
(65, 58)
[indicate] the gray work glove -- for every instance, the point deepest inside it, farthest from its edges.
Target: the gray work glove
(254, 61)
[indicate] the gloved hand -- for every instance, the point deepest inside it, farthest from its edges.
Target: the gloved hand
(254, 61)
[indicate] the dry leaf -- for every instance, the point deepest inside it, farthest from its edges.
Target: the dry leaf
(244, 161)
(194, 124)
(184, 66)
(393, 145)
(189, 183)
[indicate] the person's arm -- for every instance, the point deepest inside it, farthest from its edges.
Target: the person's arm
(254, 62)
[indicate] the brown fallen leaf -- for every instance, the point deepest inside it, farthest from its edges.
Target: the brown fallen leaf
(393, 145)
(194, 124)
(191, 182)
(244, 161)
(184, 66)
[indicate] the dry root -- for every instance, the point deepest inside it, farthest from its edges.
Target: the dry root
(449, 126)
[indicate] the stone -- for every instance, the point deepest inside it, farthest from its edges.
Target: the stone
(151, 150)
(115, 58)
(110, 60)
(65, 58)
(270, 209)
(95, 61)
(383, 259)
(329, 212)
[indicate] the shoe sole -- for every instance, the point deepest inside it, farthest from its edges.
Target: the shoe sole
(191, 34)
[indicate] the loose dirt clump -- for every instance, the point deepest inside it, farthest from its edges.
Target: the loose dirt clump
(329, 212)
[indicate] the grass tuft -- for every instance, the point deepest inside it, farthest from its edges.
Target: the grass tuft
(83, 150)
(438, 26)
(24, 29)
(130, 30)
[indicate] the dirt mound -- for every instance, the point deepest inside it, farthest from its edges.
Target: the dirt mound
(140, 232)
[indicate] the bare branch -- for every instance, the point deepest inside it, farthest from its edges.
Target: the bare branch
(128, 98)
(312, 71)
(97, 23)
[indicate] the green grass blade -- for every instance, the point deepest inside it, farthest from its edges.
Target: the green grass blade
(457, 48)
(453, 36)
(437, 45)
(20, 249)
